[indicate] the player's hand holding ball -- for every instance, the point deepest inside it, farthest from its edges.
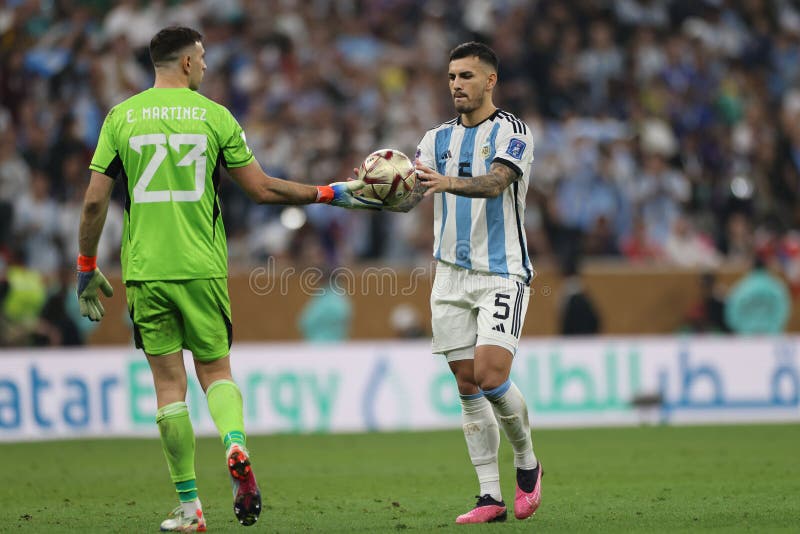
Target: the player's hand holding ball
(341, 194)
(389, 177)
(432, 180)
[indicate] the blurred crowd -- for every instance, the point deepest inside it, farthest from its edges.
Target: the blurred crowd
(666, 131)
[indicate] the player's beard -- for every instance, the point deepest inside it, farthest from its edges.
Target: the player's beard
(469, 105)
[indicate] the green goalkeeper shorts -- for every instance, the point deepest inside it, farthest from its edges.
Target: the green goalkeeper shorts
(181, 314)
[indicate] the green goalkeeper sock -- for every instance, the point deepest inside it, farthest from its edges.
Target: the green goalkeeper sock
(177, 440)
(225, 405)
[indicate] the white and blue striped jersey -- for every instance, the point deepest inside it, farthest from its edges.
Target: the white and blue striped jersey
(481, 234)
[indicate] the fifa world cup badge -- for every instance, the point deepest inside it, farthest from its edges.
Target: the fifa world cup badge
(516, 148)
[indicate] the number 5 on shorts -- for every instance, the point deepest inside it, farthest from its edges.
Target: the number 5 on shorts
(504, 310)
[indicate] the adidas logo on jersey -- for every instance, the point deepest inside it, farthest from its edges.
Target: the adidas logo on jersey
(499, 328)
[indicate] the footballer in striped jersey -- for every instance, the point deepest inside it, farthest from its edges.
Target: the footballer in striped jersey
(477, 168)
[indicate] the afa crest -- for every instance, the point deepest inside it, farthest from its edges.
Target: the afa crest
(485, 151)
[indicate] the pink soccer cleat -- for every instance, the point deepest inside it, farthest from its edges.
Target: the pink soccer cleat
(246, 495)
(487, 510)
(526, 503)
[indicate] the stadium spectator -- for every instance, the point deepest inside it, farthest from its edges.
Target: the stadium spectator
(36, 225)
(600, 65)
(759, 303)
(739, 241)
(578, 315)
(659, 195)
(707, 313)
(58, 321)
(14, 178)
(24, 294)
(685, 247)
(638, 247)
(327, 315)
(406, 322)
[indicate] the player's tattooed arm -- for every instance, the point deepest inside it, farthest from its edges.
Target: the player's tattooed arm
(413, 198)
(485, 186)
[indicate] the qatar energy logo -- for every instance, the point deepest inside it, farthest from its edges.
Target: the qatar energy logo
(355, 387)
(47, 397)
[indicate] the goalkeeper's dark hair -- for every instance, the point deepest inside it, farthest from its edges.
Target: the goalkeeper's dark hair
(473, 48)
(166, 44)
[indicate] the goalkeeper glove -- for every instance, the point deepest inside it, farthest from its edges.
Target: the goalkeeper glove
(89, 280)
(341, 194)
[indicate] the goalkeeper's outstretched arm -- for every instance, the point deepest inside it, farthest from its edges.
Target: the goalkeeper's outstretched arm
(266, 189)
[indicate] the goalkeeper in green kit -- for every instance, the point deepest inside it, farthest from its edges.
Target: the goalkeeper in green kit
(168, 145)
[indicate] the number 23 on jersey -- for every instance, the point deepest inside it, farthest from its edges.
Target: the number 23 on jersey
(196, 156)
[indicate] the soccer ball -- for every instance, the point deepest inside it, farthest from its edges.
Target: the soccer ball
(389, 176)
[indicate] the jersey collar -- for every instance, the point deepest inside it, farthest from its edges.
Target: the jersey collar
(489, 118)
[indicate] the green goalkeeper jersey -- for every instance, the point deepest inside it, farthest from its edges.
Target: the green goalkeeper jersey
(168, 146)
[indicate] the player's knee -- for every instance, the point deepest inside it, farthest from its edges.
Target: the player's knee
(490, 377)
(464, 373)
(466, 383)
(468, 388)
(489, 381)
(169, 380)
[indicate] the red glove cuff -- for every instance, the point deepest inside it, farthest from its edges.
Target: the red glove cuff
(87, 263)
(324, 194)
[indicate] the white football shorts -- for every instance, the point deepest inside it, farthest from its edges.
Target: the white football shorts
(470, 309)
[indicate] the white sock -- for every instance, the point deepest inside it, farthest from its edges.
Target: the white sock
(512, 414)
(190, 508)
(483, 440)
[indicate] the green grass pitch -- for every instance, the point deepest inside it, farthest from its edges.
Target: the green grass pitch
(652, 479)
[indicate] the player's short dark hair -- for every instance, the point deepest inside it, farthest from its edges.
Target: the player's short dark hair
(166, 44)
(474, 48)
